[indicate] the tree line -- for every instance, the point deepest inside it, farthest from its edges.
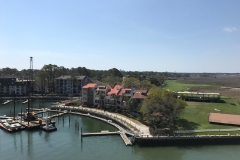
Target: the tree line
(44, 77)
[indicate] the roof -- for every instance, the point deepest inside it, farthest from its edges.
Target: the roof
(90, 85)
(64, 77)
(121, 92)
(81, 77)
(157, 114)
(69, 77)
(141, 91)
(139, 94)
(115, 90)
(224, 118)
(8, 76)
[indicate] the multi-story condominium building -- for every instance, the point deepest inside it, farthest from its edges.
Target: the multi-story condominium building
(112, 95)
(66, 85)
(88, 94)
(95, 95)
(100, 95)
(12, 85)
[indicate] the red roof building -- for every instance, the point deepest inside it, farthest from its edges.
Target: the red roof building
(88, 93)
(90, 85)
(224, 118)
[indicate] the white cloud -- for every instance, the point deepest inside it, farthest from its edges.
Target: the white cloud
(229, 29)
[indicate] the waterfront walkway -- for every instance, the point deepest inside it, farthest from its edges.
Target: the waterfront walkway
(137, 127)
(142, 129)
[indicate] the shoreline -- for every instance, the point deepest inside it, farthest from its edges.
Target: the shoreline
(142, 130)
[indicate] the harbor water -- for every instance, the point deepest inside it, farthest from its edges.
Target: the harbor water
(65, 143)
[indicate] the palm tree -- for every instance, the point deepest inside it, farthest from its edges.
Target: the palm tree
(101, 97)
(114, 96)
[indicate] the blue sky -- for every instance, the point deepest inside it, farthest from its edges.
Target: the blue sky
(131, 35)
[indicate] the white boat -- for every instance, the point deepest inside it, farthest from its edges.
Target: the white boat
(10, 125)
(25, 101)
(49, 127)
(6, 102)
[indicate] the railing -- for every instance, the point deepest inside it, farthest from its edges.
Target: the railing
(207, 130)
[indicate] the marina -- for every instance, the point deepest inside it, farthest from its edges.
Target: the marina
(26, 145)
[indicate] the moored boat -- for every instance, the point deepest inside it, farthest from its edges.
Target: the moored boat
(10, 125)
(49, 125)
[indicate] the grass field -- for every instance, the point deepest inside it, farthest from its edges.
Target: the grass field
(174, 85)
(195, 115)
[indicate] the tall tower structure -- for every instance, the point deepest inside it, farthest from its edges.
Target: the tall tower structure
(30, 87)
(31, 75)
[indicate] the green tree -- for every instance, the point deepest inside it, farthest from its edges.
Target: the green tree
(145, 84)
(161, 108)
(131, 82)
(114, 102)
(101, 97)
(112, 80)
(0, 87)
(115, 72)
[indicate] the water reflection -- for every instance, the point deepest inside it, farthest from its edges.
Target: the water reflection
(29, 144)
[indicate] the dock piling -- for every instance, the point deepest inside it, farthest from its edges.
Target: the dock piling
(81, 134)
(69, 120)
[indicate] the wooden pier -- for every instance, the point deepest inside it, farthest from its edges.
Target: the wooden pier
(122, 130)
(57, 115)
(125, 139)
(36, 109)
(102, 133)
(4, 117)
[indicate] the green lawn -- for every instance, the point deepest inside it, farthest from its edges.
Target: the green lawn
(176, 86)
(195, 115)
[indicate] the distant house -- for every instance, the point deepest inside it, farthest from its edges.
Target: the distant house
(139, 95)
(65, 85)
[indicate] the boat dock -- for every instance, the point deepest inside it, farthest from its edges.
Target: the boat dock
(35, 109)
(123, 133)
(102, 133)
(125, 139)
(4, 117)
(56, 115)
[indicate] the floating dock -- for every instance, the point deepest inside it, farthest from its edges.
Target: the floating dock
(102, 133)
(4, 117)
(125, 139)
